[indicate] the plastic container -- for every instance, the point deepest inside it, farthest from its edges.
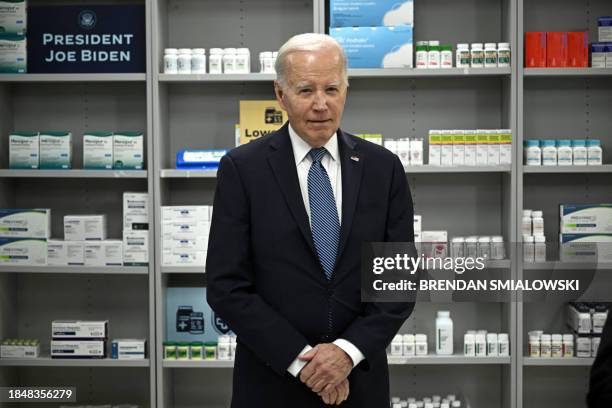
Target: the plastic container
(556, 346)
(564, 152)
(492, 345)
(528, 248)
(540, 248)
(481, 344)
(170, 350)
(210, 350)
(184, 61)
(526, 225)
(243, 61)
(444, 333)
(420, 341)
(579, 152)
(170, 61)
(549, 152)
(594, 152)
(229, 61)
(215, 61)
(463, 56)
(458, 247)
(534, 346)
(198, 61)
(484, 247)
(433, 55)
(503, 341)
(182, 351)
(471, 247)
(546, 346)
(490, 52)
(396, 345)
(532, 153)
(498, 249)
(197, 350)
(568, 345)
(477, 56)
(408, 345)
(446, 56)
(504, 56)
(537, 223)
(421, 56)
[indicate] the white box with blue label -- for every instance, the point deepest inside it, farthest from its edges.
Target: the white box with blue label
(604, 26)
(25, 223)
(24, 150)
(13, 16)
(128, 150)
(23, 251)
(13, 54)
(585, 247)
(376, 47)
(371, 13)
(585, 218)
(55, 150)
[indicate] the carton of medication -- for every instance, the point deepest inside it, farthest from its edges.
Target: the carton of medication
(55, 150)
(24, 148)
(98, 150)
(128, 150)
(371, 13)
(25, 223)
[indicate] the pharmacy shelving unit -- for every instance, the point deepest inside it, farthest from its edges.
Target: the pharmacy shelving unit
(31, 297)
(200, 111)
(558, 104)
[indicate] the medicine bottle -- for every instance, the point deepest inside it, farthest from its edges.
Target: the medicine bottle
(579, 152)
(498, 250)
(433, 55)
(556, 350)
(534, 346)
(532, 153)
(503, 55)
(420, 341)
(484, 247)
(568, 345)
(408, 346)
(528, 248)
(463, 56)
(224, 348)
(269, 63)
(458, 247)
(421, 56)
(594, 152)
(184, 61)
(564, 152)
(490, 59)
(471, 247)
(198, 61)
(480, 340)
(444, 333)
(503, 342)
(527, 213)
(215, 61)
(456, 404)
(416, 152)
(526, 225)
(233, 345)
(243, 61)
(396, 345)
(545, 345)
(549, 152)
(229, 61)
(540, 248)
(537, 219)
(492, 345)
(446, 56)
(170, 61)
(477, 56)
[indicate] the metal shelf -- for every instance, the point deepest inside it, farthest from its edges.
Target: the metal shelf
(252, 77)
(198, 363)
(558, 265)
(77, 173)
(558, 362)
(73, 78)
(74, 269)
(567, 72)
(173, 173)
(66, 362)
(182, 269)
(506, 168)
(606, 168)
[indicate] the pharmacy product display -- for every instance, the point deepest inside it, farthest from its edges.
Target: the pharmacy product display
(534, 241)
(199, 159)
(434, 401)
(470, 147)
(585, 232)
(222, 350)
(565, 152)
(20, 348)
(23, 236)
(79, 338)
(431, 54)
(267, 61)
(480, 343)
(13, 41)
(474, 246)
(408, 345)
(409, 151)
(53, 150)
(221, 61)
(185, 231)
(128, 349)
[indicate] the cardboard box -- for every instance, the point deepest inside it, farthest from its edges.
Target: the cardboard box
(113, 252)
(94, 253)
(135, 211)
(599, 55)
(604, 28)
(56, 253)
(128, 150)
(78, 349)
(458, 148)
(586, 248)
(470, 148)
(128, 349)
(435, 147)
(371, 13)
(578, 49)
(24, 147)
(55, 150)
(75, 252)
(482, 147)
(13, 16)
(184, 258)
(79, 329)
(98, 150)
(185, 229)
(376, 47)
(556, 49)
(25, 223)
(177, 242)
(505, 146)
(586, 218)
(446, 148)
(186, 213)
(535, 50)
(19, 348)
(493, 149)
(23, 251)
(13, 54)
(85, 227)
(135, 248)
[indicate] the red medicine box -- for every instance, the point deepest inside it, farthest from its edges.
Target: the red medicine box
(578, 49)
(556, 50)
(535, 50)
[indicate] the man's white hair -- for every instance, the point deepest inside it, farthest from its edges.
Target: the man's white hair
(307, 42)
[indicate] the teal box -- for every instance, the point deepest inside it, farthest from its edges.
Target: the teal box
(376, 47)
(371, 13)
(13, 54)
(128, 150)
(13, 16)
(98, 150)
(23, 150)
(55, 150)
(190, 318)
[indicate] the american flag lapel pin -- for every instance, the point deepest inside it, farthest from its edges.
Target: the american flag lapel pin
(355, 158)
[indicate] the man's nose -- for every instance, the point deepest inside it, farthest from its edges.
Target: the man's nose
(320, 102)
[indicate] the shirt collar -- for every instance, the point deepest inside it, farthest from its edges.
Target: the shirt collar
(301, 148)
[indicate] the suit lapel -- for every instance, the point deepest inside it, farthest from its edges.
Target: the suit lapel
(352, 168)
(282, 162)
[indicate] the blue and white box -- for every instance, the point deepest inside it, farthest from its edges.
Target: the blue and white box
(13, 54)
(376, 47)
(371, 13)
(13, 16)
(585, 218)
(586, 247)
(23, 251)
(604, 25)
(25, 223)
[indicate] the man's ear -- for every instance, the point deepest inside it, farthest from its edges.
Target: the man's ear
(278, 91)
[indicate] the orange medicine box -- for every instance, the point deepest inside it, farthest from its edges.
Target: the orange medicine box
(578, 49)
(556, 49)
(535, 50)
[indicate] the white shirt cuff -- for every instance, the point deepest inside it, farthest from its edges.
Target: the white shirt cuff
(350, 349)
(297, 364)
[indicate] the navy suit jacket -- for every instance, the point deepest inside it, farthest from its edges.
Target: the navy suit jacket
(265, 281)
(600, 390)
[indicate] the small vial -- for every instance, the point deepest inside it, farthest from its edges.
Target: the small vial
(564, 152)
(421, 56)
(229, 61)
(498, 250)
(469, 345)
(534, 346)
(463, 56)
(170, 61)
(184, 61)
(477, 56)
(503, 55)
(215, 61)
(532, 153)
(540, 248)
(549, 152)
(594, 152)
(433, 55)
(198, 61)
(490, 52)
(546, 346)
(528, 248)
(503, 342)
(579, 152)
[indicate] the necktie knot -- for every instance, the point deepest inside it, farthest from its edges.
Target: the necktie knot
(317, 154)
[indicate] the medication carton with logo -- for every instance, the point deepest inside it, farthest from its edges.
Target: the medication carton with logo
(98, 150)
(586, 218)
(25, 223)
(13, 16)
(24, 150)
(55, 150)
(128, 150)
(23, 251)
(371, 13)
(13, 54)
(376, 47)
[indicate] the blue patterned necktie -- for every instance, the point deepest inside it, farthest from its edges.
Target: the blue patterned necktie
(324, 220)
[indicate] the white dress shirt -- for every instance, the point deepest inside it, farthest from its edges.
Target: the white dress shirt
(331, 164)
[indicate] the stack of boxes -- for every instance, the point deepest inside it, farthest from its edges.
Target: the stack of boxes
(135, 229)
(23, 236)
(585, 232)
(587, 321)
(113, 150)
(374, 34)
(601, 52)
(185, 231)
(13, 25)
(480, 147)
(78, 339)
(20, 348)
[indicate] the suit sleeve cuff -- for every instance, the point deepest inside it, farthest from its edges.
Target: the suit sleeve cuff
(297, 364)
(350, 349)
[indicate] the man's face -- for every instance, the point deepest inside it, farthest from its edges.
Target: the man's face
(314, 94)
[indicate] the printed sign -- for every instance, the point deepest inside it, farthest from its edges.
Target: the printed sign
(86, 39)
(258, 118)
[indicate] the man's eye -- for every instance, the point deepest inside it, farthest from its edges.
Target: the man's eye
(332, 90)
(304, 91)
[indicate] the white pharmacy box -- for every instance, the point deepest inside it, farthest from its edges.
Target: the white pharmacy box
(24, 147)
(98, 150)
(13, 53)
(25, 223)
(184, 258)
(586, 218)
(75, 252)
(19, 351)
(13, 16)
(79, 329)
(186, 229)
(103, 253)
(57, 252)
(135, 248)
(128, 349)
(177, 242)
(85, 227)
(186, 213)
(78, 348)
(128, 150)
(55, 150)
(585, 248)
(23, 251)
(135, 211)
(434, 236)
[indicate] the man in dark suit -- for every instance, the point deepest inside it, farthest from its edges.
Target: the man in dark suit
(600, 390)
(291, 212)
